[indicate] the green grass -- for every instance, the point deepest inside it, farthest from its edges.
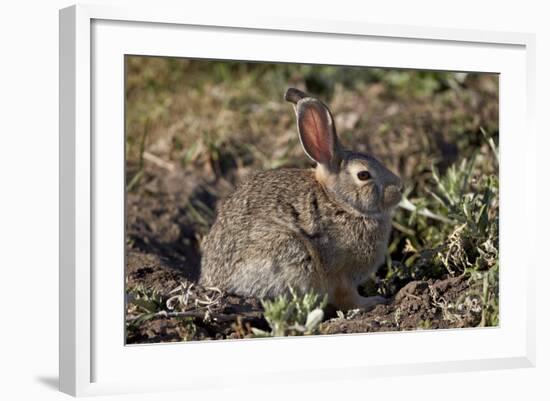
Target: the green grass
(293, 315)
(451, 229)
(142, 304)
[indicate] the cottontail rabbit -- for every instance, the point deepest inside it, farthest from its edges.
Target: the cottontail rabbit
(323, 230)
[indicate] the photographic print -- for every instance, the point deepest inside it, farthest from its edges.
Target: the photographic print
(272, 199)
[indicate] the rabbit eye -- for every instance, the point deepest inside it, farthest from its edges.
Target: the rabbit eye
(363, 175)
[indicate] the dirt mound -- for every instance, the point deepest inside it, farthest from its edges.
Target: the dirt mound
(433, 304)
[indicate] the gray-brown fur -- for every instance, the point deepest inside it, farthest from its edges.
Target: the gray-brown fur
(321, 229)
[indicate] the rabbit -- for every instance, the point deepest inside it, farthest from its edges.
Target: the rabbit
(323, 230)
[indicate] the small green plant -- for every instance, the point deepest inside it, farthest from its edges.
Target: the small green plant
(451, 228)
(145, 300)
(473, 241)
(135, 180)
(425, 325)
(294, 315)
(142, 304)
(485, 284)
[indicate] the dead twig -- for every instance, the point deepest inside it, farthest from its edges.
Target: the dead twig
(158, 161)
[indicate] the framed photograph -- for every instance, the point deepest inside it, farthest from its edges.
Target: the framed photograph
(290, 199)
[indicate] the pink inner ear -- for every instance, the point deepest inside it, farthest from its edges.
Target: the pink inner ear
(316, 133)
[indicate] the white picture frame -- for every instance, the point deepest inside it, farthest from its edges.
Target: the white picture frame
(93, 357)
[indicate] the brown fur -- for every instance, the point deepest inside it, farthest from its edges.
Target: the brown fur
(320, 230)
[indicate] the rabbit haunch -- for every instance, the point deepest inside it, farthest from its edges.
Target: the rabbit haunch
(324, 230)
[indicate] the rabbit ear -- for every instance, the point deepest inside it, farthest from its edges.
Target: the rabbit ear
(317, 132)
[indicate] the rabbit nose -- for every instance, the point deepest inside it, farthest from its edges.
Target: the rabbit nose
(392, 194)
